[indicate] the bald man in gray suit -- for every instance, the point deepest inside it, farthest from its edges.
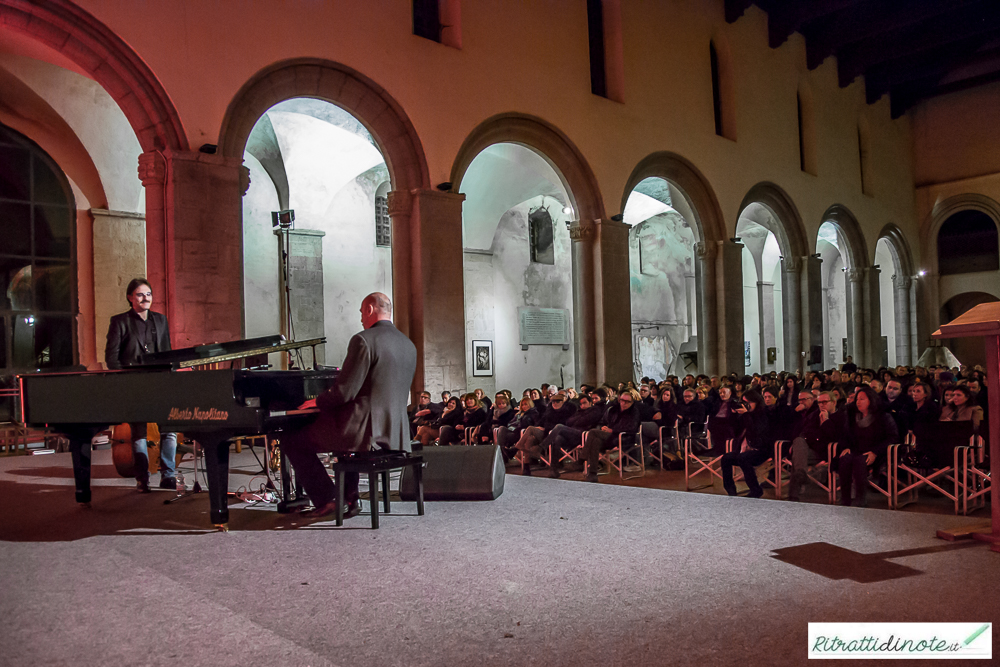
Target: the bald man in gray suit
(365, 407)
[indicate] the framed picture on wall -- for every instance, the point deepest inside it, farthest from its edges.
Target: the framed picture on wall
(482, 358)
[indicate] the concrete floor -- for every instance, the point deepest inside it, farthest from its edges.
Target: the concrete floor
(554, 572)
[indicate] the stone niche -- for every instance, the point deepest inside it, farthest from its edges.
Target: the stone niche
(119, 256)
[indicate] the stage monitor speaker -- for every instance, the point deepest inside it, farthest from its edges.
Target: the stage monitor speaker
(457, 473)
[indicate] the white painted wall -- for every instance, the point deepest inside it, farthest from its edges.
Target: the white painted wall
(519, 282)
(751, 312)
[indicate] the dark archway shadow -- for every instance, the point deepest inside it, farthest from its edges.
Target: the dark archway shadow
(833, 562)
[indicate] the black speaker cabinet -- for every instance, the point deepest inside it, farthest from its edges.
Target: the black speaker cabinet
(457, 473)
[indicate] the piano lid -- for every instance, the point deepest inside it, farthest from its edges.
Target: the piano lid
(238, 347)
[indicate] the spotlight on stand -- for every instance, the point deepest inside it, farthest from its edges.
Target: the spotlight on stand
(283, 219)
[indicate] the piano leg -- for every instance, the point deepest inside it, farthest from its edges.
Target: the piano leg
(216, 449)
(80, 448)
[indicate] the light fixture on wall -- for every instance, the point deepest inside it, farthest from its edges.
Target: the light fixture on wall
(567, 210)
(922, 272)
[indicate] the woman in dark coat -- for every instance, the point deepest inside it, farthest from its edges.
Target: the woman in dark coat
(868, 432)
(753, 443)
(451, 415)
(508, 436)
(473, 415)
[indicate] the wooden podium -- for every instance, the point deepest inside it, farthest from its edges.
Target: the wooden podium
(984, 321)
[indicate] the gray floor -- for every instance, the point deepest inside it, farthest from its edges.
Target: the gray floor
(554, 572)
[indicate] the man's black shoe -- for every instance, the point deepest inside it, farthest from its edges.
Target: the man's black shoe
(168, 483)
(352, 509)
(142, 487)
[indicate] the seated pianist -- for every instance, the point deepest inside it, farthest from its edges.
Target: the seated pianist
(366, 405)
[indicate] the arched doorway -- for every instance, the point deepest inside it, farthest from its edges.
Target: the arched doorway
(763, 316)
(518, 270)
(662, 279)
(38, 300)
(677, 252)
(896, 297)
(319, 161)
(566, 165)
(830, 246)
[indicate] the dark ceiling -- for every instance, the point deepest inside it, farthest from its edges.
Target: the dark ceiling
(911, 49)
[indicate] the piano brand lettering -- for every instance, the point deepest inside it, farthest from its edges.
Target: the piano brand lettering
(194, 414)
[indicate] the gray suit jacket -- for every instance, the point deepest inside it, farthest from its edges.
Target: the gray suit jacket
(368, 401)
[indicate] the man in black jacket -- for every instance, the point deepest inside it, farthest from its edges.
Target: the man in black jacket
(132, 334)
(899, 404)
(622, 418)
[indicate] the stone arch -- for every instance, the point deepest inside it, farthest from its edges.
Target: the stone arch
(900, 249)
(857, 249)
(72, 31)
(902, 307)
(790, 234)
(709, 221)
(338, 84)
(550, 143)
(944, 210)
(709, 225)
(580, 184)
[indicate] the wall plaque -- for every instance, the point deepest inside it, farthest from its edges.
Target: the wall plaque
(543, 326)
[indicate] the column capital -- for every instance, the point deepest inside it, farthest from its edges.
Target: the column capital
(152, 168)
(855, 275)
(400, 202)
(791, 264)
(704, 250)
(901, 281)
(582, 230)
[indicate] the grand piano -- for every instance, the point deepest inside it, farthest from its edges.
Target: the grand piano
(173, 390)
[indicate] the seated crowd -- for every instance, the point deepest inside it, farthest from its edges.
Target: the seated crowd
(861, 411)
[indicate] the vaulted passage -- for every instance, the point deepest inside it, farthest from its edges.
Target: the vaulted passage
(518, 271)
(317, 160)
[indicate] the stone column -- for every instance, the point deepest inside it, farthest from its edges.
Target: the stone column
(873, 318)
(708, 330)
(814, 304)
(791, 314)
(901, 286)
(400, 209)
(194, 242)
(120, 254)
(729, 306)
(159, 238)
(584, 328)
(856, 315)
(765, 306)
(829, 357)
(918, 314)
(613, 309)
(437, 315)
(690, 294)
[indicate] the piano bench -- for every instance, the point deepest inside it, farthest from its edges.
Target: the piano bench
(377, 466)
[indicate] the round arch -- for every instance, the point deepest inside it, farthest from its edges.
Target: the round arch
(944, 210)
(550, 143)
(338, 84)
(790, 234)
(693, 185)
(900, 249)
(857, 249)
(72, 31)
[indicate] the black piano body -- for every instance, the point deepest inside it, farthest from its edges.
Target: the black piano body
(209, 406)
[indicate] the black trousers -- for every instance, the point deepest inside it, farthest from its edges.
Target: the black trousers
(561, 439)
(747, 461)
(853, 467)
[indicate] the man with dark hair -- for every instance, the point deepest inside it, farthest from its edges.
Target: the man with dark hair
(365, 407)
(132, 334)
(899, 404)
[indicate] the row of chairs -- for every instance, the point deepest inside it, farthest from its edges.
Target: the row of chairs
(962, 478)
